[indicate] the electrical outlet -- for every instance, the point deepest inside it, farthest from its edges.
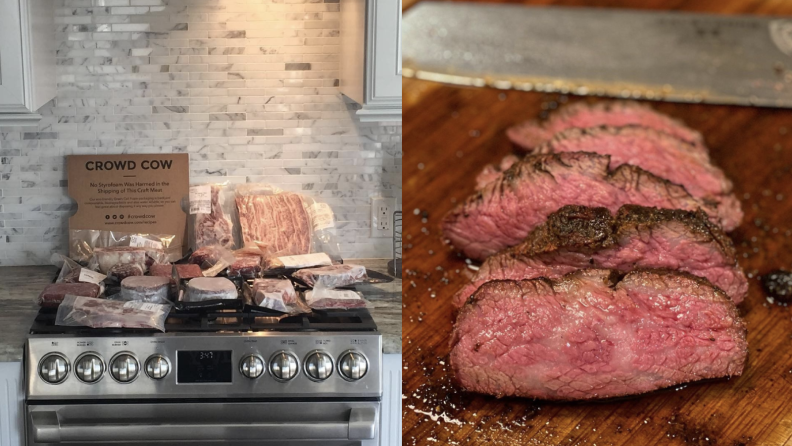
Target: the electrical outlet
(382, 216)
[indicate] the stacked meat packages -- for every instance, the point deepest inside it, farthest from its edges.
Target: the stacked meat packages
(606, 268)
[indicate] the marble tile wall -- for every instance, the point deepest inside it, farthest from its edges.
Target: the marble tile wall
(247, 87)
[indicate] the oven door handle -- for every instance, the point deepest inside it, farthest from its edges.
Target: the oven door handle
(46, 427)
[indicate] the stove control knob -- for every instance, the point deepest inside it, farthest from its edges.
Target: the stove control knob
(252, 366)
(318, 366)
(283, 366)
(89, 368)
(157, 367)
(124, 368)
(54, 368)
(352, 365)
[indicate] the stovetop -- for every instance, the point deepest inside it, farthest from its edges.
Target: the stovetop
(232, 317)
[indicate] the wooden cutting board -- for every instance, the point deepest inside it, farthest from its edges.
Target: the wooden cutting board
(449, 134)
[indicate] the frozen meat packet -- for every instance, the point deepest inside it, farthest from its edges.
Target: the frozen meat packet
(325, 299)
(102, 313)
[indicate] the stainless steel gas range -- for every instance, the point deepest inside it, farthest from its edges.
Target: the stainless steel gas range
(215, 377)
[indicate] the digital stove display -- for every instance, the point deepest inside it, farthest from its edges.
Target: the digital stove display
(204, 366)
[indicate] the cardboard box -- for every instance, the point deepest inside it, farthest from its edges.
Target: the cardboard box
(139, 194)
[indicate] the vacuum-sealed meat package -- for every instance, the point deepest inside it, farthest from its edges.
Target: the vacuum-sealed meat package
(247, 267)
(160, 247)
(54, 293)
(210, 288)
(107, 258)
(211, 212)
(325, 299)
(188, 271)
(121, 271)
(145, 289)
(212, 259)
(276, 294)
(161, 270)
(332, 276)
(102, 313)
(277, 219)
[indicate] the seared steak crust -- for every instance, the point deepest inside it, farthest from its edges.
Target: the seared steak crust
(637, 237)
(594, 334)
(506, 210)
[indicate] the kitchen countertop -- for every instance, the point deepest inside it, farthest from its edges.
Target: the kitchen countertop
(21, 285)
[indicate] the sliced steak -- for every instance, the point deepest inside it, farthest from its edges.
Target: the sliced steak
(592, 335)
(508, 209)
(660, 153)
(531, 134)
(577, 237)
(490, 172)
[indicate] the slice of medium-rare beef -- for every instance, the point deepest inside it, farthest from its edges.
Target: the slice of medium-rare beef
(659, 153)
(531, 134)
(577, 237)
(591, 334)
(508, 209)
(279, 222)
(490, 172)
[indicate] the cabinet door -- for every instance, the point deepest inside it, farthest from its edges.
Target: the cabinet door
(12, 91)
(11, 401)
(384, 52)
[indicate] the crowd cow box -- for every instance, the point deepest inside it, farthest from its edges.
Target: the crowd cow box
(136, 194)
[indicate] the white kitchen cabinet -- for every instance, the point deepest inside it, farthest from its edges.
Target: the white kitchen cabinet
(371, 68)
(27, 59)
(11, 404)
(391, 419)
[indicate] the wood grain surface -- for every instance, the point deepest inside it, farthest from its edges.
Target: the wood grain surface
(450, 133)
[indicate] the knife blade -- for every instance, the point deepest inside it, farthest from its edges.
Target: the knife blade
(683, 57)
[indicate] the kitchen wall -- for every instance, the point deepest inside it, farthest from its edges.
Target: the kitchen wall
(249, 88)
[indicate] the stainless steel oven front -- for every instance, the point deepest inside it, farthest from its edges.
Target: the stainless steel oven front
(208, 423)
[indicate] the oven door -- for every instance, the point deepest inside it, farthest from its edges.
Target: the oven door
(211, 423)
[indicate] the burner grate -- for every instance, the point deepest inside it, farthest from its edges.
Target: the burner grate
(214, 319)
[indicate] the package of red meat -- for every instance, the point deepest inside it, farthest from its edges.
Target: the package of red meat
(246, 267)
(72, 272)
(278, 295)
(276, 219)
(325, 299)
(333, 276)
(54, 293)
(102, 313)
(212, 259)
(159, 247)
(212, 215)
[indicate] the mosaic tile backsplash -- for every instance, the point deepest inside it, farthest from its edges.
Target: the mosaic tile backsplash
(249, 88)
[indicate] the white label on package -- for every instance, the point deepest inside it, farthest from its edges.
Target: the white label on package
(137, 241)
(310, 296)
(306, 260)
(86, 275)
(143, 306)
(322, 216)
(201, 199)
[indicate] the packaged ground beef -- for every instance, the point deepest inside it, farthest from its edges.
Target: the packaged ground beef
(145, 289)
(54, 293)
(333, 276)
(325, 299)
(210, 288)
